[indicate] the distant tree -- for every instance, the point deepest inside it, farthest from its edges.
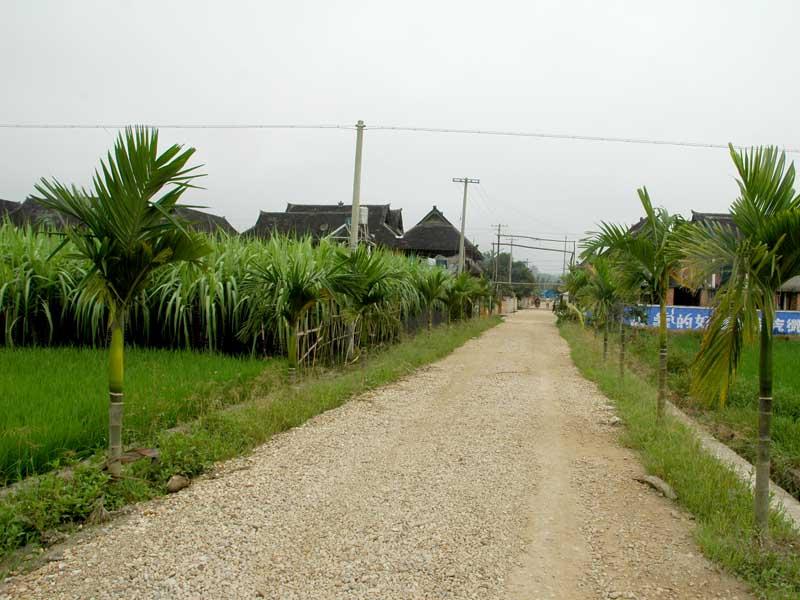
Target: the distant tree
(521, 273)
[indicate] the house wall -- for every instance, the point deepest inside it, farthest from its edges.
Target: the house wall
(706, 297)
(787, 300)
(509, 305)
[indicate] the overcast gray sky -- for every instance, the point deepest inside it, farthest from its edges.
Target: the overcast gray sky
(710, 71)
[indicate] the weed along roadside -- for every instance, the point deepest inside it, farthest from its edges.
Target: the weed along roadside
(719, 501)
(46, 507)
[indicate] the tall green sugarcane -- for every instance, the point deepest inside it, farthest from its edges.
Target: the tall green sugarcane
(289, 279)
(126, 229)
(757, 254)
(647, 257)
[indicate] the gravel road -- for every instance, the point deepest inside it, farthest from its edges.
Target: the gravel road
(491, 474)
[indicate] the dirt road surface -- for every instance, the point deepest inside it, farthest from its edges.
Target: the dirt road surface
(492, 474)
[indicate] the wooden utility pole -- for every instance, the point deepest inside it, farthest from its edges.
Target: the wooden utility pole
(355, 212)
(466, 181)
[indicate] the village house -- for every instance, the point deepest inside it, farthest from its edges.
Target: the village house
(380, 223)
(7, 207)
(433, 237)
(30, 212)
(436, 237)
(788, 298)
(206, 222)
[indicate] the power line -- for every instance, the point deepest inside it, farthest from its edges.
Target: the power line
(493, 132)
(564, 136)
(168, 126)
(538, 239)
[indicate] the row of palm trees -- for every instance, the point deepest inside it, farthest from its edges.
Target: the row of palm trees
(755, 254)
(131, 261)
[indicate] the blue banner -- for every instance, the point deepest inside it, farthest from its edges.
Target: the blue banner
(685, 318)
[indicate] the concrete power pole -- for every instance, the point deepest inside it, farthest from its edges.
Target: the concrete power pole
(355, 213)
(497, 256)
(466, 181)
(510, 261)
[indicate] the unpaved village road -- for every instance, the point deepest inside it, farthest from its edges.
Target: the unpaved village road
(490, 474)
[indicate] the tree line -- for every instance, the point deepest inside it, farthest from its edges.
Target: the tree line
(754, 253)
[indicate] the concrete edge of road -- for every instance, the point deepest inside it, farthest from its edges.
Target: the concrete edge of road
(781, 499)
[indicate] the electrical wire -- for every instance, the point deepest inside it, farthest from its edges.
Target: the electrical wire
(563, 136)
(167, 126)
(493, 132)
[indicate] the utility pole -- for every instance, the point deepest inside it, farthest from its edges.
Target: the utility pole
(497, 256)
(466, 181)
(510, 262)
(355, 213)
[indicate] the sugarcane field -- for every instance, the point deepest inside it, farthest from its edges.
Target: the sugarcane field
(366, 301)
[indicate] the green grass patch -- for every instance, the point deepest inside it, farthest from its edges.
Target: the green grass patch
(53, 502)
(720, 502)
(54, 403)
(735, 424)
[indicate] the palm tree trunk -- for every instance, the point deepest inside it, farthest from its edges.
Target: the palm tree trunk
(605, 340)
(430, 317)
(622, 347)
(116, 355)
(662, 349)
(291, 350)
(351, 341)
(764, 427)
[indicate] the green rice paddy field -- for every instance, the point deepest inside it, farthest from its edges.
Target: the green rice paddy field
(735, 424)
(54, 401)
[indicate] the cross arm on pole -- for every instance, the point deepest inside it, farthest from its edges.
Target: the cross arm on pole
(513, 245)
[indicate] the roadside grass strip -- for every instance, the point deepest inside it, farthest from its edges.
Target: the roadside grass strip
(720, 502)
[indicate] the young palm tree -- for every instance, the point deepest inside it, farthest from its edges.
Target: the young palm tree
(432, 285)
(460, 290)
(126, 230)
(602, 294)
(760, 251)
(651, 257)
